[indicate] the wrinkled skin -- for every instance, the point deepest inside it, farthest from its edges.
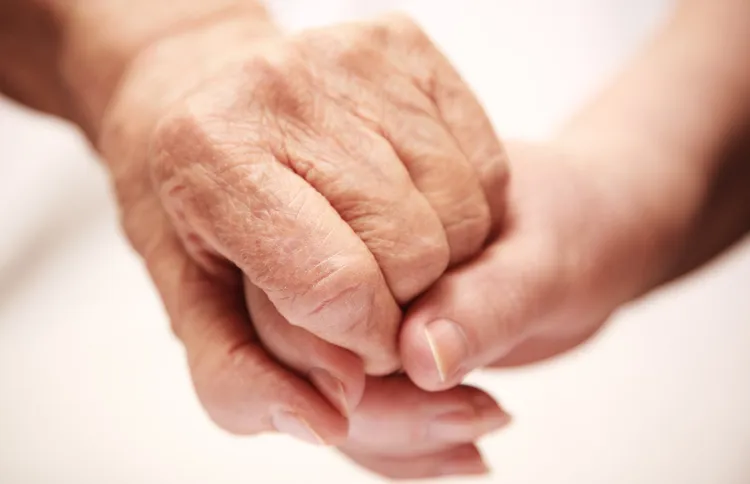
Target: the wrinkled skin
(289, 195)
(576, 243)
(290, 198)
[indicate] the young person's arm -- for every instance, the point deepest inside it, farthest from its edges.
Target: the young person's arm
(649, 181)
(677, 126)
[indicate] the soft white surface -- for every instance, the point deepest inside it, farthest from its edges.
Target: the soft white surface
(93, 388)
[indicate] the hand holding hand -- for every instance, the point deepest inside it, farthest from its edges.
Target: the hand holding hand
(579, 240)
(320, 180)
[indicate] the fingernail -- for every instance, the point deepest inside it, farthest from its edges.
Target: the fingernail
(332, 388)
(484, 403)
(463, 465)
(464, 427)
(448, 345)
(481, 416)
(291, 424)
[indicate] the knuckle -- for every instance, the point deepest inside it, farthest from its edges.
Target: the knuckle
(489, 158)
(420, 263)
(354, 49)
(176, 141)
(264, 71)
(198, 168)
(360, 46)
(347, 289)
(284, 86)
(431, 252)
(404, 26)
(411, 48)
(358, 56)
(494, 178)
(497, 176)
(468, 231)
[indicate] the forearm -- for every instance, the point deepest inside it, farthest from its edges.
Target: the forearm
(674, 131)
(66, 57)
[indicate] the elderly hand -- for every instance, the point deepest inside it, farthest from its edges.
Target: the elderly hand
(327, 177)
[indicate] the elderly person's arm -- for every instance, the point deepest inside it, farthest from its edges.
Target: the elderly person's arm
(66, 57)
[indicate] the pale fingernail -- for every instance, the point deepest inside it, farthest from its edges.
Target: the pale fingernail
(291, 424)
(465, 428)
(448, 345)
(483, 402)
(469, 424)
(332, 388)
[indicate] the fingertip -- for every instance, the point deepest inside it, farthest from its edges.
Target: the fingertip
(342, 384)
(305, 415)
(465, 460)
(433, 353)
(352, 308)
(337, 373)
(471, 317)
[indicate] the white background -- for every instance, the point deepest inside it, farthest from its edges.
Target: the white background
(94, 389)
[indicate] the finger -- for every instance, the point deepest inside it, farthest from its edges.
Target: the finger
(242, 389)
(337, 373)
(472, 129)
(457, 106)
(283, 235)
(397, 419)
(363, 178)
(460, 460)
(369, 187)
(391, 104)
(540, 348)
(479, 313)
(439, 169)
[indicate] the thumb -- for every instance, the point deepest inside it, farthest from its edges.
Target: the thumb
(480, 313)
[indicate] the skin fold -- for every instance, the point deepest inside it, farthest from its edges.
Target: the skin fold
(292, 194)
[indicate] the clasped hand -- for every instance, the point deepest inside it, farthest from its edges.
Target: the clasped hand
(292, 196)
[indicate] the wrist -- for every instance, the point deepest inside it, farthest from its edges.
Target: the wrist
(650, 203)
(102, 41)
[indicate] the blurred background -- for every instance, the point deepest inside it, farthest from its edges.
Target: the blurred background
(94, 388)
